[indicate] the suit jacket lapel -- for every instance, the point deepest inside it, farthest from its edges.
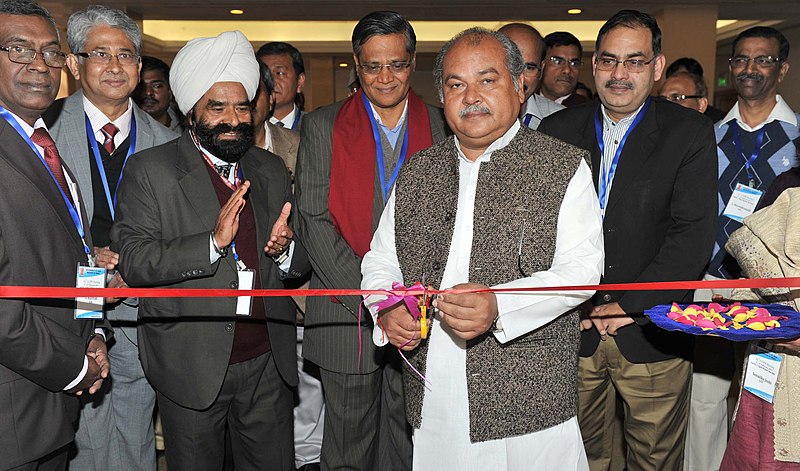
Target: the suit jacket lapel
(144, 133)
(196, 185)
(637, 151)
(19, 155)
(69, 132)
(589, 135)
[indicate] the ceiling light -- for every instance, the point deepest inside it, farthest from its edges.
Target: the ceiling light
(236, 11)
(574, 11)
(343, 65)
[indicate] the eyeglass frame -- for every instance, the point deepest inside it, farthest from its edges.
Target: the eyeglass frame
(625, 63)
(58, 53)
(571, 63)
(771, 63)
(531, 67)
(679, 97)
(93, 56)
(368, 68)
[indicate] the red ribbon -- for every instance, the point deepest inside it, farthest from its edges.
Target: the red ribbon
(72, 292)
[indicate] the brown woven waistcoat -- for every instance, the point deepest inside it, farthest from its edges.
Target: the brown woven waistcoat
(530, 383)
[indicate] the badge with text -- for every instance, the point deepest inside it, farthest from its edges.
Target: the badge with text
(762, 373)
(89, 307)
(743, 202)
(247, 280)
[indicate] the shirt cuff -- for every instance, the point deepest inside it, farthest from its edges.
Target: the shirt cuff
(379, 337)
(101, 332)
(214, 256)
(287, 263)
(80, 375)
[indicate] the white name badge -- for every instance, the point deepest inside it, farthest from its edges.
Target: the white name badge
(762, 373)
(90, 307)
(246, 281)
(743, 202)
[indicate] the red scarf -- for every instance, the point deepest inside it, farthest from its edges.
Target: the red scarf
(352, 184)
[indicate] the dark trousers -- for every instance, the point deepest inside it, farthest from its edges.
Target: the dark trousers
(254, 405)
(365, 423)
(54, 461)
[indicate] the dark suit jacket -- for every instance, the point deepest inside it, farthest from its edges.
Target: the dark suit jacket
(167, 208)
(42, 348)
(660, 220)
(330, 340)
(574, 100)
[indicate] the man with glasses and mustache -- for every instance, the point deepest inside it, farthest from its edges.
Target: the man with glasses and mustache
(96, 130)
(562, 64)
(531, 46)
(757, 142)
(350, 155)
(655, 169)
(210, 210)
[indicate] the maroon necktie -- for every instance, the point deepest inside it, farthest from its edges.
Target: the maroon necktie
(109, 130)
(41, 138)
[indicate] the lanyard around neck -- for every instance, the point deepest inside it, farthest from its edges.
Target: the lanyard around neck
(386, 186)
(111, 199)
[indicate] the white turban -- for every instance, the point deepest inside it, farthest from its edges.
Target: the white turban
(202, 62)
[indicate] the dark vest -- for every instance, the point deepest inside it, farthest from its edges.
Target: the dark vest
(530, 383)
(251, 337)
(101, 219)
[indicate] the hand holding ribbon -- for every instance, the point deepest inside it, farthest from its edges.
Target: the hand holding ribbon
(399, 317)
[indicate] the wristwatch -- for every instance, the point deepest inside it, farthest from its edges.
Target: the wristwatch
(222, 252)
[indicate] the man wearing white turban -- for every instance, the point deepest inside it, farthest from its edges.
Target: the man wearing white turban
(197, 213)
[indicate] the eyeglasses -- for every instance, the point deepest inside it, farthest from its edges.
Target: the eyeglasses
(631, 65)
(764, 62)
(22, 55)
(677, 98)
(100, 57)
(393, 67)
(559, 61)
(532, 68)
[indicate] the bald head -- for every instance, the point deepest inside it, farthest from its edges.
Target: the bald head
(531, 45)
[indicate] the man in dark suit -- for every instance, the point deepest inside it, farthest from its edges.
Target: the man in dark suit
(655, 166)
(288, 71)
(196, 213)
(116, 428)
(45, 352)
(341, 192)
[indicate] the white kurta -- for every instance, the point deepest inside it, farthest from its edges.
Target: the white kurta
(443, 441)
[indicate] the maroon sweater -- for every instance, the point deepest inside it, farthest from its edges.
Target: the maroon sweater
(251, 337)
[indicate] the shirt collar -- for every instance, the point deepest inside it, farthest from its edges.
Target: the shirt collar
(27, 127)
(780, 112)
(98, 119)
(532, 108)
(287, 120)
(267, 137)
(399, 122)
(624, 122)
(501, 142)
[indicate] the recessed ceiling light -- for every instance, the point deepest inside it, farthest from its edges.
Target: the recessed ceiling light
(236, 11)
(343, 64)
(574, 11)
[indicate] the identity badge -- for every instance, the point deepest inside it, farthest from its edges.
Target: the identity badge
(743, 202)
(247, 280)
(762, 373)
(90, 307)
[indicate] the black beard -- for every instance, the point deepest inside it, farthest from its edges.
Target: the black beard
(225, 149)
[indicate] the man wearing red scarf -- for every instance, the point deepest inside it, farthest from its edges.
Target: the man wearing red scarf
(350, 155)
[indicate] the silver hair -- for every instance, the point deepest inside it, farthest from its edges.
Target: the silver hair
(81, 23)
(475, 35)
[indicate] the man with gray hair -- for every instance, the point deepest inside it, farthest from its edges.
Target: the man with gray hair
(96, 130)
(494, 384)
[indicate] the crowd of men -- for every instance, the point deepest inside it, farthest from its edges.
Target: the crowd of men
(209, 174)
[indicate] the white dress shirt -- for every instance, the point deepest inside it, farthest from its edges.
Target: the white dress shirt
(288, 120)
(443, 441)
(98, 119)
(780, 112)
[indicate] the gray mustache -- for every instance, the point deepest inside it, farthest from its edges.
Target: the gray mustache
(615, 83)
(473, 109)
(746, 76)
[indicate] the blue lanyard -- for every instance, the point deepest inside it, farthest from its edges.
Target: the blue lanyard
(296, 119)
(607, 176)
(748, 163)
(112, 201)
(73, 212)
(386, 186)
(527, 120)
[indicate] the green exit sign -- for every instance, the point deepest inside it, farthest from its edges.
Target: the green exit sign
(722, 82)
